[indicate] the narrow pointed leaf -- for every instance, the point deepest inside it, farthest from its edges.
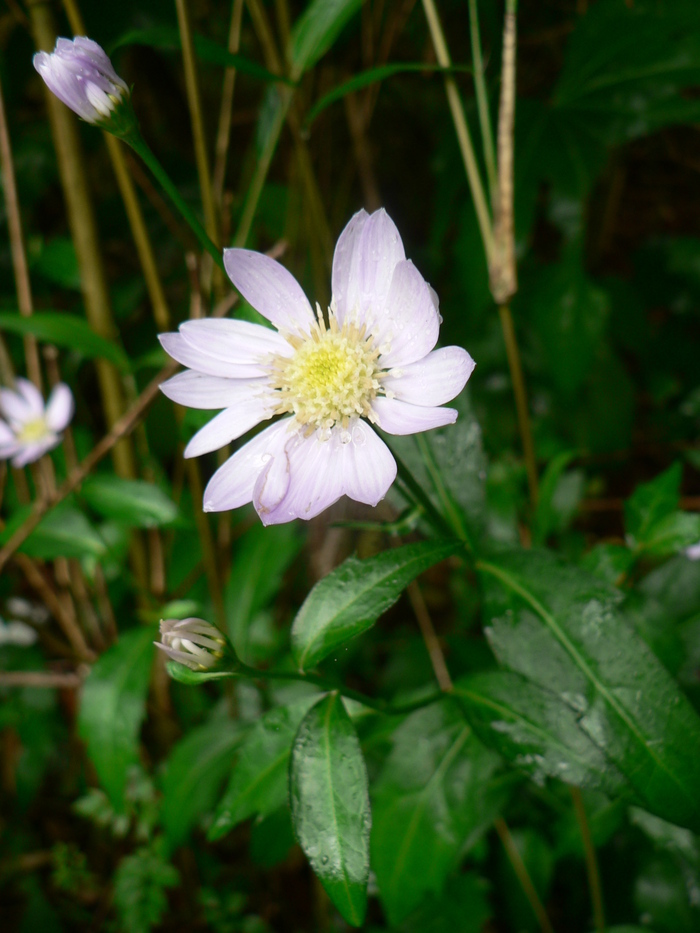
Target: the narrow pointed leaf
(562, 629)
(112, 708)
(65, 330)
(330, 804)
(258, 783)
(133, 501)
(316, 30)
(350, 599)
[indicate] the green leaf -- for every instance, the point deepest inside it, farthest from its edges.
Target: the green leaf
(261, 559)
(651, 502)
(431, 802)
(140, 882)
(65, 330)
(196, 770)
(58, 263)
(374, 76)
(672, 534)
(535, 730)
(560, 628)
(258, 782)
(316, 30)
(330, 804)
(350, 599)
(62, 532)
(132, 501)
(168, 37)
(552, 514)
(464, 906)
(112, 709)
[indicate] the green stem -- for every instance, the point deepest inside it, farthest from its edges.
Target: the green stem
(381, 706)
(591, 860)
(482, 101)
(141, 148)
(420, 497)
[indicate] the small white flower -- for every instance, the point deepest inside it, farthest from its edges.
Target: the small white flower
(80, 74)
(29, 428)
(193, 642)
(372, 363)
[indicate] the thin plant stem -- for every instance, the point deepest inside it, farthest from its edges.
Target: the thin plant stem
(463, 136)
(521, 405)
(195, 105)
(223, 136)
(425, 624)
(141, 148)
(591, 860)
(523, 875)
(482, 100)
(19, 256)
(84, 231)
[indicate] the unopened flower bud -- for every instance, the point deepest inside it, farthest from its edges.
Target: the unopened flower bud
(80, 74)
(193, 642)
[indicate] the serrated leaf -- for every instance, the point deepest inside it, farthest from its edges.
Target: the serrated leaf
(350, 599)
(65, 330)
(431, 802)
(139, 888)
(258, 783)
(112, 708)
(316, 30)
(134, 502)
(197, 768)
(62, 532)
(561, 628)
(330, 804)
(535, 730)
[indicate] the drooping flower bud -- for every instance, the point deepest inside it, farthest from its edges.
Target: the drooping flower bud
(193, 642)
(80, 74)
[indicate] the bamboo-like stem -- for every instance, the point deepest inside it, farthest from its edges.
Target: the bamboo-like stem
(463, 136)
(83, 226)
(206, 539)
(523, 875)
(51, 679)
(194, 102)
(223, 135)
(19, 256)
(482, 100)
(521, 405)
(591, 861)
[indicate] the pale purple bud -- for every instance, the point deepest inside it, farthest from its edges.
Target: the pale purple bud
(193, 642)
(80, 74)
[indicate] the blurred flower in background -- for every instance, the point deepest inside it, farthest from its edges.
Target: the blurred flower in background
(30, 428)
(372, 361)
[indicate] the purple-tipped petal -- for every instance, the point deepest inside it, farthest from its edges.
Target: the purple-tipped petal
(197, 390)
(176, 346)
(409, 322)
(227, 426)
(60, 407)
(376, 251)
(434, 380)
(233, 483)
(368, 466)
(397, 417)
(270, 289)
(238, 342)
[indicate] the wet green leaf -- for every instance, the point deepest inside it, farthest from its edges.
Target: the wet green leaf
(62, 532)
(330, 804)
(350, 599)
(112, 708)
(131, 501)
(561, 629)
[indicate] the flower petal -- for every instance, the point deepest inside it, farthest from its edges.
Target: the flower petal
(15, 407)
(434, 380)
(60, 407)
(227, 426)
(396, 417)
(270, 289)
(28, 453)
(176, 346)
(238, 342)
(233, 483)
(7, 435)
(368, 466)
(344, 275)
(272, 484)
(409, 322)
(368, 275)
(315, 480)
(197, 390)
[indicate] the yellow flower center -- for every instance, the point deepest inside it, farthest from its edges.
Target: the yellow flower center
(33, 431)
(333, 376)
